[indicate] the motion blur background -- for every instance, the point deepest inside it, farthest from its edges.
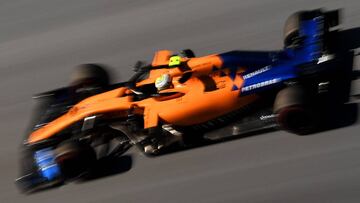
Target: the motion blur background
(42, 40)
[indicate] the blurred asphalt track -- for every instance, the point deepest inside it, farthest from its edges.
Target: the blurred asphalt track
(41, 40)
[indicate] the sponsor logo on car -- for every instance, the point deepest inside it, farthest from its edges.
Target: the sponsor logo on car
(260, 84)
(257, 72)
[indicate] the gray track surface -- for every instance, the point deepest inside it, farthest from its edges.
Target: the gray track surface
(41, 40)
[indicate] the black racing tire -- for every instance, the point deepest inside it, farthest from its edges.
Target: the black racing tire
(294, 113)
(74, 158)
(90, 75)
(292, 25)
(291, 29)
(290, 96)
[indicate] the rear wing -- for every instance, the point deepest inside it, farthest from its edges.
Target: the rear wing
(332, 18)
(313, 30)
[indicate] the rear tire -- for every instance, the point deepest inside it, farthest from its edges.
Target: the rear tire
(291, 29)
(292, 26)
(293, 111)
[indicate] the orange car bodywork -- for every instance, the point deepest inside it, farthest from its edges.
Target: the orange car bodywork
(206, 95)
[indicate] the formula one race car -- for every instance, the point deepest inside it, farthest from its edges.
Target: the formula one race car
(180, 100)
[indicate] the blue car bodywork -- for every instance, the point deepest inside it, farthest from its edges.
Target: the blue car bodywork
(264, 71)
(268, 69)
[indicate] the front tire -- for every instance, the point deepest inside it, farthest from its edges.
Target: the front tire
(90, 75)
(74, 158)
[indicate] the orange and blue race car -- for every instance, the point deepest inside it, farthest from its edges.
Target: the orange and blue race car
(180, 101)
